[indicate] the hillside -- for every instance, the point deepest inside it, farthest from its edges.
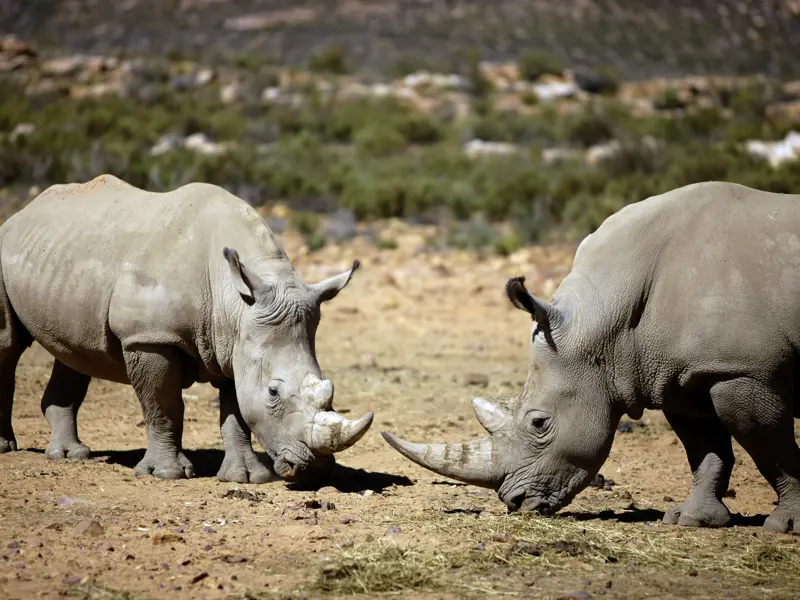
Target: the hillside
(639, 38)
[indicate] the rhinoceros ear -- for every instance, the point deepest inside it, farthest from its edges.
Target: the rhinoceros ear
(328, 289)
(545, 314)
(248, 284)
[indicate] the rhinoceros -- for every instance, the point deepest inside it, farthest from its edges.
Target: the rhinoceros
(159, 291)
(687, 302)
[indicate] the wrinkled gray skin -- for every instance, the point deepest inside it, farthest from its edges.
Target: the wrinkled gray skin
(162, 291)
(687, 302)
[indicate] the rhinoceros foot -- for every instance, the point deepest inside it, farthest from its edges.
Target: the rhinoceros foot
(693, 512)
(244, 466)
(73, 450)
(785, 518)
(165, 465)
(7, 444)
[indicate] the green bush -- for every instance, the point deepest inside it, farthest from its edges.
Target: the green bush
(419, 129)
(379, 140)
(587, 129)
(533, 64)
(332, 59)
(306, 222)
(668, 99)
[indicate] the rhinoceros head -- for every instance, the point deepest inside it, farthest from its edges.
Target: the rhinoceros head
(559, 433)
(279, 386)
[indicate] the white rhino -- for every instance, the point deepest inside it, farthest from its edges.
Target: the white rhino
(161, 291)
(687, 302)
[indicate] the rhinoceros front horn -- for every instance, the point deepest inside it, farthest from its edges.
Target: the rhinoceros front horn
(331, 432)
(470, 462)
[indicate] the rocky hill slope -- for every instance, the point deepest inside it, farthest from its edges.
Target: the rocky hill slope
(640, 38)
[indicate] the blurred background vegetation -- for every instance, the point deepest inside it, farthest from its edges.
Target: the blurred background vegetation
(505, 123)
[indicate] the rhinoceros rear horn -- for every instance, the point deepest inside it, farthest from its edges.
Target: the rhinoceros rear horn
(470, 462)
(331, 432)
(328, 289)
(545, 314)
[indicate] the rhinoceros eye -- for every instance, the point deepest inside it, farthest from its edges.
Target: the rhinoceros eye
(273, 391)
(538, 421)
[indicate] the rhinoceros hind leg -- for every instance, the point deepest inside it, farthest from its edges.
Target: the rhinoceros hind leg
(156, 374)
(14, 339)
(8, 366)
(62, 399)
(241, 464)
(761, 420)
(708, 448)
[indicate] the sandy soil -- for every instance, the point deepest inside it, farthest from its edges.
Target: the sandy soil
(403, 340)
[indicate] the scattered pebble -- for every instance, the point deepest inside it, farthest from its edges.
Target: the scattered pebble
(392, 530)
(239, 494)
(166, 538)
(89, 527)
(199, 577)
(209, 529)
(67, 501)
(478, 379)
(233, 559)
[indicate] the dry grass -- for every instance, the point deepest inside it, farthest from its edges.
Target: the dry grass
(493, 550)
(91, 591)
(382, 567)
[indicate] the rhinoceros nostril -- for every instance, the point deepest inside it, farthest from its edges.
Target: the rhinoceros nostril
(538, 506)
(515, 502)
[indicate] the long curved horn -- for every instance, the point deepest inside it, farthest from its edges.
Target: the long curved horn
(331, 432)
(470, 462)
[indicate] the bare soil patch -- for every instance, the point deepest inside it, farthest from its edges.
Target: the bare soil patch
(401, 341)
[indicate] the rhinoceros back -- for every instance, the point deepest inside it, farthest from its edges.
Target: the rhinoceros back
(84, 259)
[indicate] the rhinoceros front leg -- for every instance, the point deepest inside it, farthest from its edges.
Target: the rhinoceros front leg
(62, 399)
(241, 464)
(708, 448)
(762, 421)
(156, 375)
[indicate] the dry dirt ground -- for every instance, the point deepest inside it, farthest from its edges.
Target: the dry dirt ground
(404, 340)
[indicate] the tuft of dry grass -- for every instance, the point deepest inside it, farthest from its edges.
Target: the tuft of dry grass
(381, 567)
(91, 591)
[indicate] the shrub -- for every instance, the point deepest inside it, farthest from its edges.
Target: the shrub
(533, 64)
(668, 99)
(507, 244)
(305, 222)
(588, 129)
(419, 129)
(379, 140)
(332, 59)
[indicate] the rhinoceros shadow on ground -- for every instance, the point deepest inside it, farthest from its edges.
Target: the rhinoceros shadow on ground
(651, 515)
(207, 462)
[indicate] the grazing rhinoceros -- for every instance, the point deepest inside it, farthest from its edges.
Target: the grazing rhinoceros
(687, 302)
(147, 289)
